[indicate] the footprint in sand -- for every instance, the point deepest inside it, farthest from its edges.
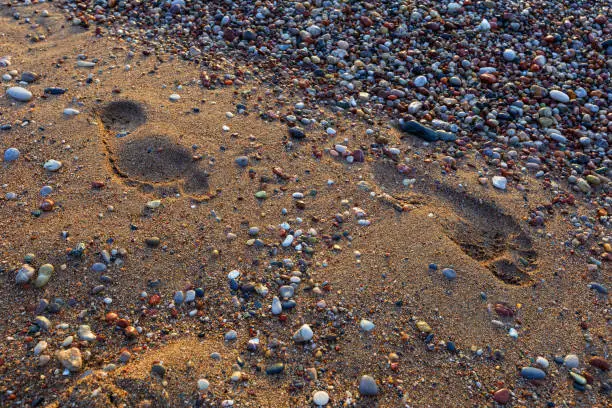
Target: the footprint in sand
(142, 157)
(482, 230)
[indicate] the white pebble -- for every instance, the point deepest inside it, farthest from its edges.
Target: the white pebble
(499, 182)
(366, 325)
(203, 384)
(52, 165)
(320, 398)
(71, 112)
(20, 94)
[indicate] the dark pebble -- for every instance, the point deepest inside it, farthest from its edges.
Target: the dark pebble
(423, 132)
(296, 133)
(532, 373)
(275, 369)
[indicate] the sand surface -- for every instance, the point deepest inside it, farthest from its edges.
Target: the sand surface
(377, 272)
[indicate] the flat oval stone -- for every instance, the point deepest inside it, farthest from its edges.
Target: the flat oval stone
(152, 242)
(230, 335)
(52, 165)
(296, 133)
(559, 96)
(46, 190)
(98, 267)
(532, 373)
(277, 307)
(578, 378)
(275, 369)
(71, 112)
(203, 384)
(502, 396)
(179, 297)
(449, 273)
(20, 94)
(542, 362)
(420, 81)
(190, 296)
(242, 161)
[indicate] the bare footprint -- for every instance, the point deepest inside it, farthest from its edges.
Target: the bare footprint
(480, 228)
(153, 162)
(122, 115)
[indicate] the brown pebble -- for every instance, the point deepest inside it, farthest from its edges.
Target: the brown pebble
(502, 396)
(47, 204)
(111, 317)
(97, 184)
(131, 332)
(503, 310)
(488, 78)
(123, 323)
(600, 363)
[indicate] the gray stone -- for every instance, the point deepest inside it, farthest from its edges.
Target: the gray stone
(286, 291)
(29, 77)
(303, 334)
(98, 267)
(20, 94)
(25, 273)
(42, 322)
(52, 165)
(367, 386)
(425, 133)
(571, 361)
(230, 335)
(11, 154)
(242, 161)
(85, 333)
(532, 373)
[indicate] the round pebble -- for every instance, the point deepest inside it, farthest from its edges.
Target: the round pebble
(320, 398)
(11, 154)
(368, 386)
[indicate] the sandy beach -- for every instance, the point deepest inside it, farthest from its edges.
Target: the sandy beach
(210, 228)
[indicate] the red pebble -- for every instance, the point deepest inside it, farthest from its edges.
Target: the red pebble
(502, 396)
(503, 310)
(488, 78)
(154, 300)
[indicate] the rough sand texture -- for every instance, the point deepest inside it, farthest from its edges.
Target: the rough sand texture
(480, 231)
